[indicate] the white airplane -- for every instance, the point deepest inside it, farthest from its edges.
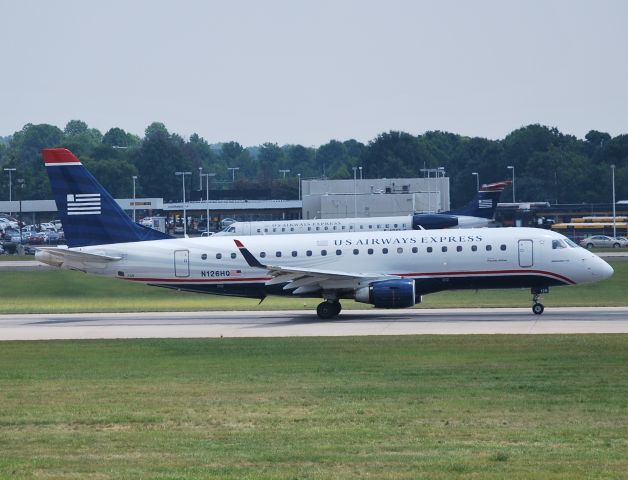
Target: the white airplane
(385, 269)
(479, 212)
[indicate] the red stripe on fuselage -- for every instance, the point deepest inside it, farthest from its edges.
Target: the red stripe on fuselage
(488, 272)
(423, 274)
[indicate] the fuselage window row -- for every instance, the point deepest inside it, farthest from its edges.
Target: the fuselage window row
(370, 251)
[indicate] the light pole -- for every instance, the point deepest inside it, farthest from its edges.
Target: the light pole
(360, 172)
(233, 170)
(284, 172)
(614, 221)
(207, 175)
(20, 185)
(134, 178)
(185, 218)
(477, 180)
(10, 170)
(200, 179)
(355, 193)
(299, 175)
(512, 167)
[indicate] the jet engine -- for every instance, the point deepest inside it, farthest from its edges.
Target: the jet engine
(389, 294)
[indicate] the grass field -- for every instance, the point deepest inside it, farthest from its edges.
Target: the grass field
(60, 291)
(490, 407)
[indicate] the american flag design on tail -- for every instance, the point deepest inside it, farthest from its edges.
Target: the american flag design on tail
(83, 203)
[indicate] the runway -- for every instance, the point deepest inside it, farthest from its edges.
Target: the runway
(306, 323)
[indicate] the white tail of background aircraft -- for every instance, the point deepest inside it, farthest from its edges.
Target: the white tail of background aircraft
(385, 269)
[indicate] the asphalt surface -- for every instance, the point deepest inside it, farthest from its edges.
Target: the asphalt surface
(306, 323)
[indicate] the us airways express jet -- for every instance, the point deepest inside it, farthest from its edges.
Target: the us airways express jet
(385, 269)
(479, 212)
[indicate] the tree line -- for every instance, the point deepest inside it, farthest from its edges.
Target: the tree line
(549, 165)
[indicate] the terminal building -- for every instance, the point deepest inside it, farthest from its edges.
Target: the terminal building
(374, 197)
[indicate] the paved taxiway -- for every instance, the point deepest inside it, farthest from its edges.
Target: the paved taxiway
(305, 323)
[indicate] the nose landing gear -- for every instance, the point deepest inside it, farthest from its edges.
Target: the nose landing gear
(328, 309)
(537, 307)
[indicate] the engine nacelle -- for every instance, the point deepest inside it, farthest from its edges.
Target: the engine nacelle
(389, 294)
(433, 221)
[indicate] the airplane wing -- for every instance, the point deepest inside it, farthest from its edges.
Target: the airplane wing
(306, 280)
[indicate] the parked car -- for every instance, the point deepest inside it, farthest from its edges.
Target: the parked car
(600, 241)
(623, 241)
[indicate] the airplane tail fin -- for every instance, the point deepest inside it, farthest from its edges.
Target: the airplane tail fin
(485, 201)
(90, 216)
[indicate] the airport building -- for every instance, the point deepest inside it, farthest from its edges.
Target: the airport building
(374, 197)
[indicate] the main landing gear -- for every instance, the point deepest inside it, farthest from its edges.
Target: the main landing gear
(328, 309)
(538, 308)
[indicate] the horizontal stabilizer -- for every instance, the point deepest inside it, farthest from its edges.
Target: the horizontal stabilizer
(57, 256)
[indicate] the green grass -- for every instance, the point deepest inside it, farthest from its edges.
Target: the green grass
(60, 291)
(440, 407)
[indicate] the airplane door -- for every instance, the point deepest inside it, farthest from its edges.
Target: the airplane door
(181, 263)
(526, 253)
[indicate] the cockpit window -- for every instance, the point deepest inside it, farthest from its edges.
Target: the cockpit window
(571, 244)
(558, 244)
(231, 229)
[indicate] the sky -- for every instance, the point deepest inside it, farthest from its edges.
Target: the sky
(305, 72)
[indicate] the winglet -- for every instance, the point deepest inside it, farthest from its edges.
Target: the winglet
(248, 256)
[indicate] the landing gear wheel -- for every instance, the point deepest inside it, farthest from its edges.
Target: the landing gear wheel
(538, 308)
(327, 310)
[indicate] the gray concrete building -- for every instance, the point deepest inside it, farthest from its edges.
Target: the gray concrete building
(374, 197)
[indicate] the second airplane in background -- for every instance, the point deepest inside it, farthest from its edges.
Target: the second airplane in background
(479, 212)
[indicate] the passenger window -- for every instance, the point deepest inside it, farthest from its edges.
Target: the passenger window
(415, 249)
(308, 253)
(292, 229)
(489, 248)
(204, 256)
(350, 227)
(370, 251)
(384, 251)
(318, 228)
(283, 229)
(356, 251)
(474, 248)
(274, 229)
(338, 252)
(266, 230)
(343, 227)
(458, 248)
(233, 255)
(309, 229)
(361, 227)
(218, 256)
(294, 253)
(399, 250)
(323, 253)
(277, 254)
(326, 228)
(334, 227)
(395, 225)
(259, 230)
(502, 247)
(429, 249)
(444, 249)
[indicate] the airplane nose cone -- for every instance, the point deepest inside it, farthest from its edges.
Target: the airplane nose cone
(608, 271)
(602, 270)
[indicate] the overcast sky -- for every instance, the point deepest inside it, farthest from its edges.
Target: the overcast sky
(306, 72)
